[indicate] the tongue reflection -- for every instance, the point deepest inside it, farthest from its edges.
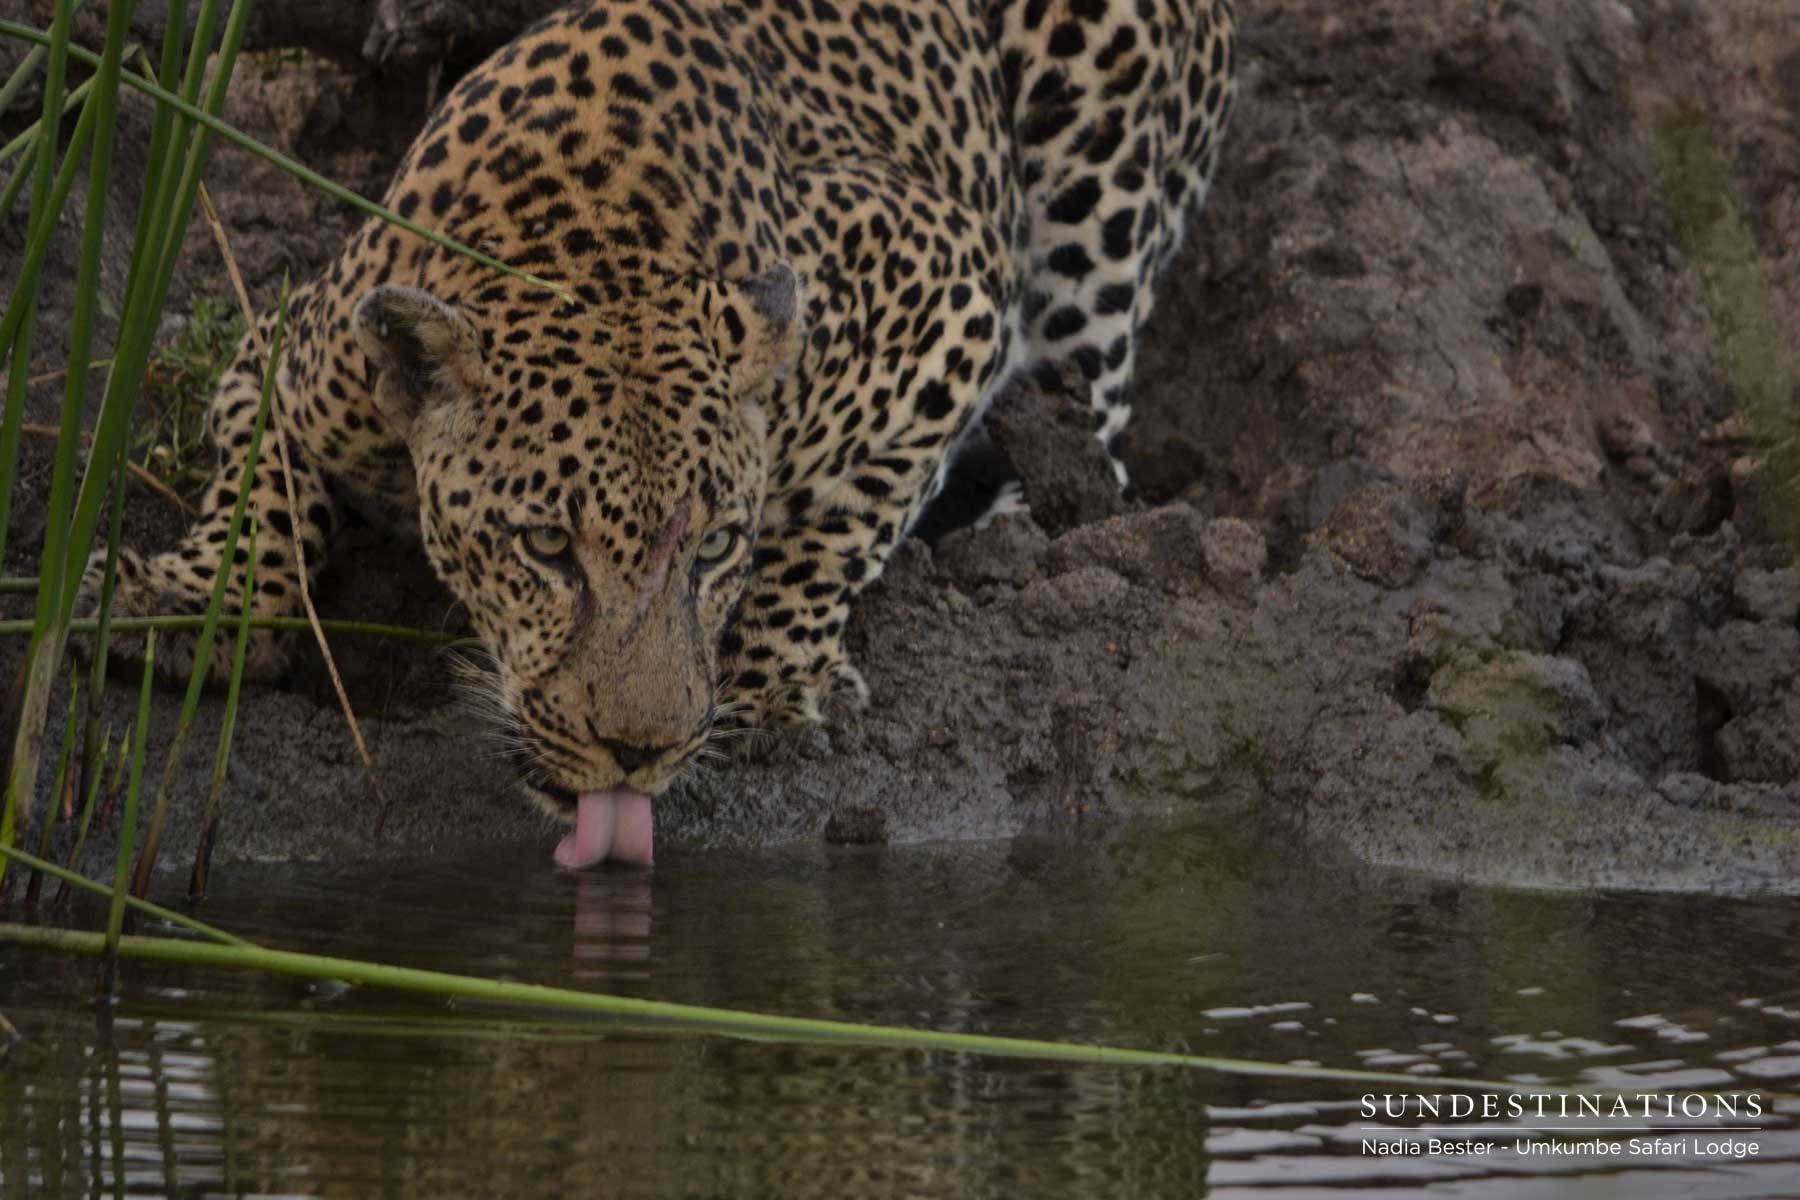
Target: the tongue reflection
(612, 824)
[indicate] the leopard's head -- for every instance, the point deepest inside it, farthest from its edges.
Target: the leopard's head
(591, 479)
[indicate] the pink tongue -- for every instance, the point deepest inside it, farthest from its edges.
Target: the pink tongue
(613, 824)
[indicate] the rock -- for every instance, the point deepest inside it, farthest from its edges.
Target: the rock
(1762, 595)
(1009, 552)
(1761, 746)
(1750, 665)
(1627, 437)
(1378, 532)
(1049, 438)
(1235, 555)
(1165, 549)
(1518, 703)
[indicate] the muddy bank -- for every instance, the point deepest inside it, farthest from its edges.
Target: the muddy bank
(1450, 549)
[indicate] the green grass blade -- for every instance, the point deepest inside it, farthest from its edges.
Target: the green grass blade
(95, 776)
(15, 83)
(73, 879)
(153, 208)
(209, 824)
(63, 758)
(53, 585)
(215, 605)
(143, 308)
(20, 318)
(199, 140)
(686, 1017)
(146, 289)
(91, 760)
(56, 587)
(27, 139)
(28, 66)
(301, 172)
(115, 917)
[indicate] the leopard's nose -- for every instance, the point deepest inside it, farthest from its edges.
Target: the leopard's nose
(630, 757)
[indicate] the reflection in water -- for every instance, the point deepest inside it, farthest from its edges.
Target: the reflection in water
(612, 928)
(207, 1082)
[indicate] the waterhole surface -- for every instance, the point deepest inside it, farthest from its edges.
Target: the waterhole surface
(1216, 941)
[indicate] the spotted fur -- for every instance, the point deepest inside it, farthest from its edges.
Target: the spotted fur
(808, 238)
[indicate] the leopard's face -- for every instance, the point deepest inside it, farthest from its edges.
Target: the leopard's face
(590, 485)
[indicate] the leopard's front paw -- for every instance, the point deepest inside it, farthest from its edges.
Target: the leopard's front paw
(804, 698)
(169, 585)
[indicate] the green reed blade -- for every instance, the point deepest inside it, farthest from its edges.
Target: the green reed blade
(74, 879)
(143, 308)
(15, 83)
(63, 758)
(115, 918)
(28, 66)
(87, 809)
(91, 762)
(44, 657)
(686, 1017)
(304, 174)
(20, 317)
(198, 141)
(27, 138)
(53, 584)
(215, 605)
(146, 288)
(209, 823)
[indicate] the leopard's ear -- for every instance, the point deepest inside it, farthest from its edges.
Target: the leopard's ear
(758, 327)
(425, 350)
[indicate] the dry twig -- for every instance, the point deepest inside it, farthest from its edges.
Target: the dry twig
(144, 477)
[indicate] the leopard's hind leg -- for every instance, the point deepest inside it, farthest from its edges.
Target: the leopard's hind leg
(1118, 110)
(180, 581)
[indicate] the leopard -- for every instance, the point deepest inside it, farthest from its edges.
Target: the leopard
(778, 256)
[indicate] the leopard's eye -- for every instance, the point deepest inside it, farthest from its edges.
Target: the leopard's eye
(546, 542)
(716, 545)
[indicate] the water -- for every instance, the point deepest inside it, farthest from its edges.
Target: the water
(1218, 942)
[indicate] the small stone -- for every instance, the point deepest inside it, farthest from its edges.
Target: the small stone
(1379, 533)
(1625, 437)
(1768, 595)
(1236, 555)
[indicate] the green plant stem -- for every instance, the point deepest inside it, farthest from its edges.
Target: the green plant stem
(190, 623)
(28, 66)
(209, 824)
(720, 1021)
(91, 762)
(63, 762)
(96, 775)
(50, 188)
(28, 137)
(215, 605)
(53, 584)
(181, 920)
(300, 172)
(20, 317)
(115, 917)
